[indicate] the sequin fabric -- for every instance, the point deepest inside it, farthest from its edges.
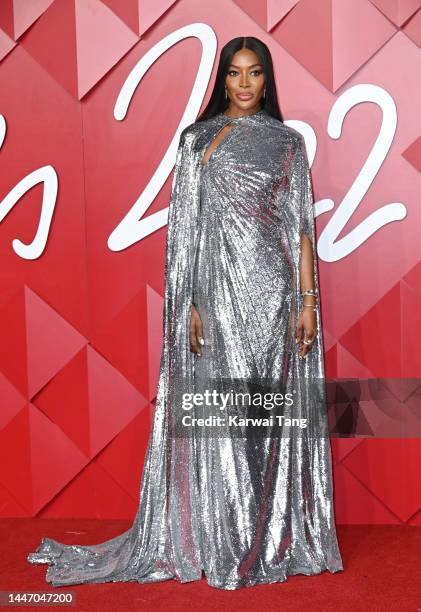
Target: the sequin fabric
(243, 511)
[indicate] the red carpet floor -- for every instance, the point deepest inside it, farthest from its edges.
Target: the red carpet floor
(382, 573)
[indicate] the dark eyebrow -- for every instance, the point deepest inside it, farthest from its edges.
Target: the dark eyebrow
(252, 66)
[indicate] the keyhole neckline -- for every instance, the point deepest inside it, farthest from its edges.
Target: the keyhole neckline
(226, 137)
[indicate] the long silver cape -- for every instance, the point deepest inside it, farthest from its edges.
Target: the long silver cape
(242, 508)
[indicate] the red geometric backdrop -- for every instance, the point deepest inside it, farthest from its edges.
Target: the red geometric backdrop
(88, 130)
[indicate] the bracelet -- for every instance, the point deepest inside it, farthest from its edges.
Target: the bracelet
(313, 293)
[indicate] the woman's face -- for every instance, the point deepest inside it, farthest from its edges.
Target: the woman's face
(245, 81)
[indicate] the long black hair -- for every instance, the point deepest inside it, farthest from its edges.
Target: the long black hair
(218, 103)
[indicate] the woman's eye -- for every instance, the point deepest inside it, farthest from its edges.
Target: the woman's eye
(253, 72)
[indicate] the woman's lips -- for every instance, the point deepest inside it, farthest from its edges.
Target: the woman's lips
(244, 96)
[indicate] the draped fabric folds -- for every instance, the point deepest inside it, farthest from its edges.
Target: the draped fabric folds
(244, 509)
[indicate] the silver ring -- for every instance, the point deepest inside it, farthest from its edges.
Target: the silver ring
(307, 341)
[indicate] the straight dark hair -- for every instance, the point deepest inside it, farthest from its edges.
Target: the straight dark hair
(218, 103)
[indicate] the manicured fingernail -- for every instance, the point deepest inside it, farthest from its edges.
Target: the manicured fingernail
(201, 341)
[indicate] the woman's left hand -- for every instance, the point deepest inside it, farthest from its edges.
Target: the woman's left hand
(306, 330)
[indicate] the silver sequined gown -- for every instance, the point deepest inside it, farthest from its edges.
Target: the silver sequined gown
(242, 508)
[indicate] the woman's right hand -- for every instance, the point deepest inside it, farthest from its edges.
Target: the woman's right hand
(195, 331)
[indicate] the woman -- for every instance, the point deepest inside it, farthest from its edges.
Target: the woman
(243, 503)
